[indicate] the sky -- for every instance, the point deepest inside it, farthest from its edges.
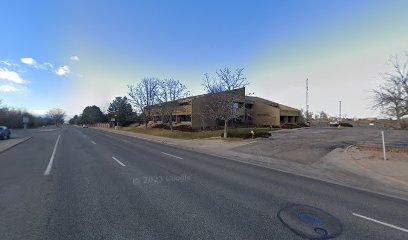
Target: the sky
(76, 53)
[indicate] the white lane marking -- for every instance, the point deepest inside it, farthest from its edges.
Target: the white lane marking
(171, 155)
(48, 170)
(121, 163)
(383, 223)
(93, 142)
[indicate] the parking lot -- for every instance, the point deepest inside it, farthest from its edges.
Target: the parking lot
(310, 144)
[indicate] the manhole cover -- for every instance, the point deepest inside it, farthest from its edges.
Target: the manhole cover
(310, 222)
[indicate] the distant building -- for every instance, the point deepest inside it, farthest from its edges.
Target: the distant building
(249, 110)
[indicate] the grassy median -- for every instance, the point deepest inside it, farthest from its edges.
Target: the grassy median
(191, 135)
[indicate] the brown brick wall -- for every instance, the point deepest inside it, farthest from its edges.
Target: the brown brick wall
(265, 115)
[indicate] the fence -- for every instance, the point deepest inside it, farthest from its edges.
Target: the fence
(101, 125)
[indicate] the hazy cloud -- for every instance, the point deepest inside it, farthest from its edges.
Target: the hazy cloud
(49, 65)
(8, 88)
(74, 58)
(11, 76)
(32, 62)
(63, 71)
(7, 63)
(38, 112)
(28, 61)
(60, 71)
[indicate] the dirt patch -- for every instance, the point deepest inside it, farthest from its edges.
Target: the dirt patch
(376, 153)
(387, 149)
(369, 166)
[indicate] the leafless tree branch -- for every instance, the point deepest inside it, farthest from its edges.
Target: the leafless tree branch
(391, 98)
(170, 90)
(144, 95)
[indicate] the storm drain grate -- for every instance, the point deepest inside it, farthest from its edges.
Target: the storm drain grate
(310, 222)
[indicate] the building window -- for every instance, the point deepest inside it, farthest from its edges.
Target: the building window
(185, 118)
(185, 103)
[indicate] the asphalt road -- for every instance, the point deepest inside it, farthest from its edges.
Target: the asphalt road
(100, 185)
(18, 133)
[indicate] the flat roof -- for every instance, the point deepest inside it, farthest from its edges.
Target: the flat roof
(252, 99)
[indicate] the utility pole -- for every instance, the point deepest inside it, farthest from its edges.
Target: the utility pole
(307, 100)
(340, 110)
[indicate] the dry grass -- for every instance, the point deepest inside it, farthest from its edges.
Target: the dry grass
(181, 135)
(379, 149)
(175, 134)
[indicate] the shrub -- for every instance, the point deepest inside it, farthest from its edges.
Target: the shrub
(182, 128)
(301, 124)
(160, 125)
(345, 124)
(290, 126)
(246, 133)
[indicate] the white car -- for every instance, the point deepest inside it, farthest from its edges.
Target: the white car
(84, 126)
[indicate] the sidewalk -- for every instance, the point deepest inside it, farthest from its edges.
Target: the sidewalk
(370, 164)
(7, 144)
(389, 178)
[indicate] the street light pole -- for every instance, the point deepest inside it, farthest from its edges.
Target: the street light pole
(339, 110)
(307, 101)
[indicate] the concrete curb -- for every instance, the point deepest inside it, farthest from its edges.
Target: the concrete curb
(348, 148)
(390, 178)
(24, 139)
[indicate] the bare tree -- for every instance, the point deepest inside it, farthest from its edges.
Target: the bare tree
(170, 91)
(203, 116)
(391, 98)
(212, 85)
(144, 95)
(323, 115)
(224, 104)
(57, 115)
(225, 80)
